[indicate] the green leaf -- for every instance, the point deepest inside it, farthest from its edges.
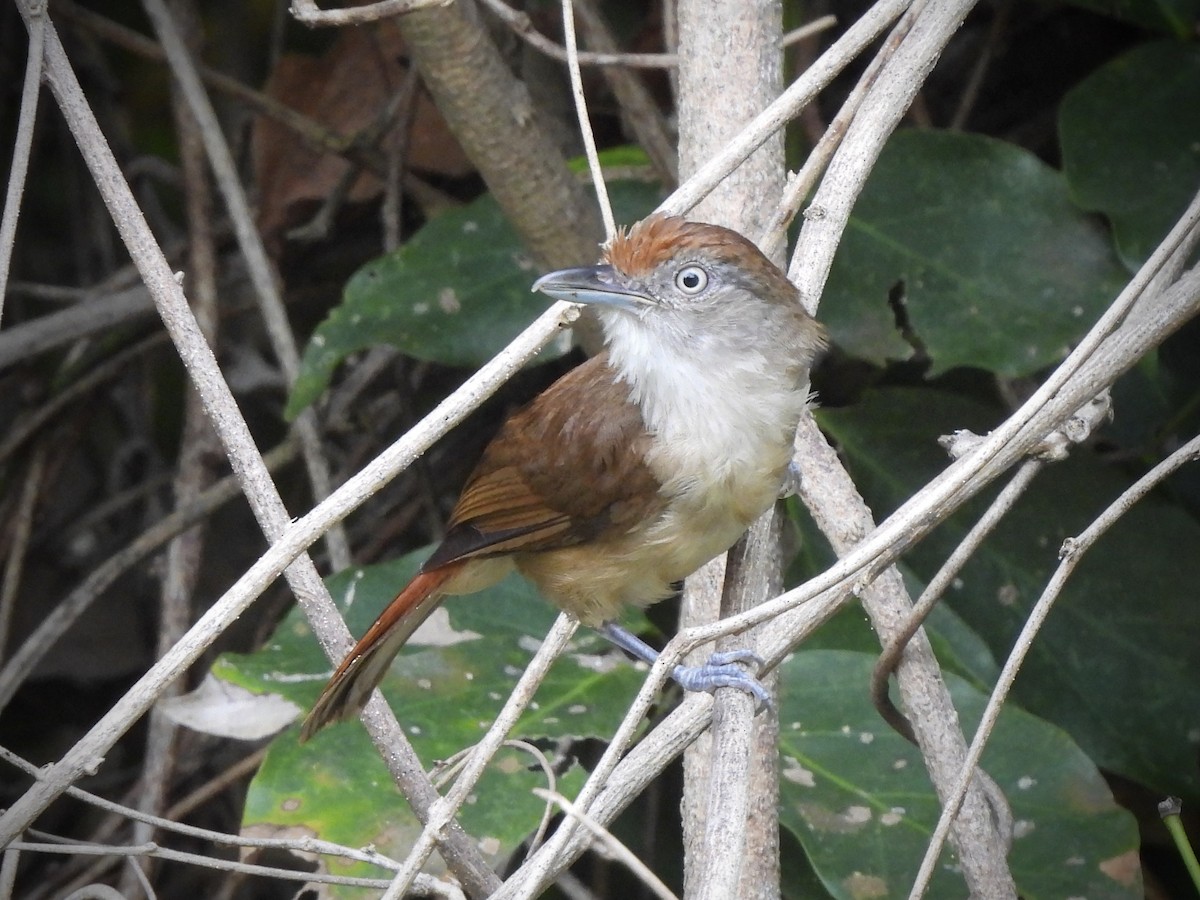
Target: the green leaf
(456, 294)
(1001, 271)
(336, 787)
(446, 687)
(956, 645)
(1130, 138)
(1116, 663)
(858, 798)
(1176, 17)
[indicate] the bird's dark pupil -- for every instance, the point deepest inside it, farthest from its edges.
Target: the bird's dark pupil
(691, 279)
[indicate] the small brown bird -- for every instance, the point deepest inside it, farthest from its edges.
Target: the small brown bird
(636, 468)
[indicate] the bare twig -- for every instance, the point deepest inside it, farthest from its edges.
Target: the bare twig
(774, 235)
(585, 123)
(243, 768)
(445, 772)
(307, 11)
(1072, 553)
(198, 445)
(262, 275)
(639, 109)
(22, 524)
(444, 810)
(312, 132)
(807, 30)
(967, 547)
(55, 623)
(521, 26)
(610, 843)
(393, 196)
(151, 850)
(169, 823)
(27, 427)
(9, 861)
(22, 145)
(100, 314)
(991, 43)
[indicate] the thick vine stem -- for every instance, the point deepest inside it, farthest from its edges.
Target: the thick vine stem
(731, 48)
(493, 118)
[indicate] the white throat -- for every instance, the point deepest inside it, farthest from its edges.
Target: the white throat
(725, 416)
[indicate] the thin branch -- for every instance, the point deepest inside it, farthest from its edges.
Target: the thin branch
(65, 614)
(100, 314)
(608, 840)
(1071, 553)
(308, 13)
(204, 794)
(639, 109)
(393, 197)
(445, 773)
(799, 186)
(305, 845)
(310, 131)
(9, 861)
(521, 25)
(991, 42)
(896, 641)
(198, 445)
(25, 428)
(22, 522)
(445, 809)
(531, 879)
(23, 144)
(585, 122)
(150, 850)
(262, 275)
(807, 30)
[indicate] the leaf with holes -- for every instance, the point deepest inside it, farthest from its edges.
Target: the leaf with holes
(1000, 271)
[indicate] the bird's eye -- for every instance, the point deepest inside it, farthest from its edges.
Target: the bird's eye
(691, 279)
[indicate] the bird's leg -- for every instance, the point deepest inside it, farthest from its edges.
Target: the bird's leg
(721, 670)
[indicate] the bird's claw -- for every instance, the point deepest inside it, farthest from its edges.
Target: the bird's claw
(724, 670)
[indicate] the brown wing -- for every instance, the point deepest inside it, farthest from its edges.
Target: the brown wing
(566, 469)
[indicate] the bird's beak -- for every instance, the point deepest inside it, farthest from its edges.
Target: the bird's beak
(591, 284)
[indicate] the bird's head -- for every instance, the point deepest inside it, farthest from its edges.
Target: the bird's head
(693, 287)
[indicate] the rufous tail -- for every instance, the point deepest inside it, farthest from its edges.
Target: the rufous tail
(364, 666)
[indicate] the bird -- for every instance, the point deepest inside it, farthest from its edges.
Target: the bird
(636, 467)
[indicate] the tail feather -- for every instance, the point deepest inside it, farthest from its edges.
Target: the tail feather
(363, 668)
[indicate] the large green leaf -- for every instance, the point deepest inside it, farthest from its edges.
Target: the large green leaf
(456, 293)
(1176, 17)
(338, 789)
(1131, 142)
(1116, 663)
(858, 798)
(446, 687)
(1001, 271)
(958, 648)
